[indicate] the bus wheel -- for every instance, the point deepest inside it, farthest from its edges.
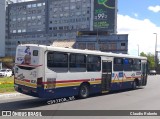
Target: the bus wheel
(134, 85)
(84, 91)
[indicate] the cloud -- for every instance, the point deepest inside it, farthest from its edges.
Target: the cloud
(140, 32)
(135, 14)
(154, 8)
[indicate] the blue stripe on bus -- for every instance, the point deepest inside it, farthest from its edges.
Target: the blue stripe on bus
(70, 91)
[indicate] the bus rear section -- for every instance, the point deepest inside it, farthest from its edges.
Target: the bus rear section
(28, 70)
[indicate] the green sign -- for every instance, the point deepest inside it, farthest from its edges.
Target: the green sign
(104, 2)
(101, 24)
(104, 15)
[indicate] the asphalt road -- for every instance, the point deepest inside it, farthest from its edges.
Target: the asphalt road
(147, 98)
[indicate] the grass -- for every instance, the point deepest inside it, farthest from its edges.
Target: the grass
(6, 79)
(7, 84)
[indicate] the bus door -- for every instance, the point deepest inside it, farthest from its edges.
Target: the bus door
(144, 73)
(106, 75)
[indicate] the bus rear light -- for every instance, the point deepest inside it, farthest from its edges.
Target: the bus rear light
(40, 82)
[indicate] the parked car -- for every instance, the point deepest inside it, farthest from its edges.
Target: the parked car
(5, 72)
(12, 72)
(152, 72)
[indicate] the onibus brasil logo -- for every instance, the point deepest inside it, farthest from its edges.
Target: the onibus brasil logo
(104, 2)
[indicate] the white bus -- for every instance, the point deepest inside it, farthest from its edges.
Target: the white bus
(54, 72)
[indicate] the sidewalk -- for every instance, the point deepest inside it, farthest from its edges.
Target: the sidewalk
(9, 95)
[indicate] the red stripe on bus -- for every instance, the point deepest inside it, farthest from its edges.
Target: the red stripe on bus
(47, 82)
(129, 77)
(29, 65)
(63, 81)
(137, 77)
(134, 77)
(26, 80)
(67, 81)
(81, 80)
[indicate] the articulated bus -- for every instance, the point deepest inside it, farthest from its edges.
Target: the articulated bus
(54, 72)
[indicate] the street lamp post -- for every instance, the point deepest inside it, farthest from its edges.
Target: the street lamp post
(97, 39)
(138, 49)
(155, 51)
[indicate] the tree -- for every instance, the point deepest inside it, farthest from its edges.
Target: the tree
(150, 58)
(143, 54)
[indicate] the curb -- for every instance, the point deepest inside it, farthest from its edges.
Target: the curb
(9, 95)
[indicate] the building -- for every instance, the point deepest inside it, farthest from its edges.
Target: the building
(44, 21)
(116, 43)
(2, 28)
(26, 23)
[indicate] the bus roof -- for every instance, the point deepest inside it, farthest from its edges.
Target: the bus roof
(86, 51)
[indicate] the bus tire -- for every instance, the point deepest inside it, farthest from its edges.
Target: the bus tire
(134, 85)
(83, 91)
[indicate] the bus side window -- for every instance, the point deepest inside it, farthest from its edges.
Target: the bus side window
(57, 61)
(77, 63)
(93, 63)
(136, 65)
(50, 59)
(35, 52)
(128, 64)
(118, 64)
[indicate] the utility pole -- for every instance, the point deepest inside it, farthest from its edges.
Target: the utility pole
(138, 49)
(97, 38)
(155, 59)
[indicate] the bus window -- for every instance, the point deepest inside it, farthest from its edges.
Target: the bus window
(93, 63)
(77, 63)
(57, 61)
(118, 64)
(35, 52)
(128, 63)
(136, 65)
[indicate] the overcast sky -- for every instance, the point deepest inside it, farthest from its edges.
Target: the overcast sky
(139, 19)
